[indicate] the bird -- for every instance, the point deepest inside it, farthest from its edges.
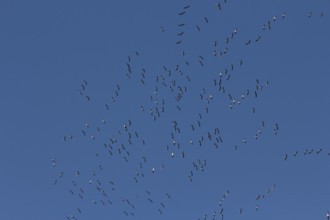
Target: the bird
(218, 6)
(53, 162)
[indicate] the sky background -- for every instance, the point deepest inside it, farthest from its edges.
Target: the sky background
(47, 49)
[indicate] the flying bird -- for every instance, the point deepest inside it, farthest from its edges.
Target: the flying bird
(248, 42)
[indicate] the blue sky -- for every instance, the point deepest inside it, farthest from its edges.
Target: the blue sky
(48, 49)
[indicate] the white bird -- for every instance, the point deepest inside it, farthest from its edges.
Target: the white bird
(53, 162)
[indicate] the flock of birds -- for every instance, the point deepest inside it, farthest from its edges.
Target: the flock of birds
(176, 82)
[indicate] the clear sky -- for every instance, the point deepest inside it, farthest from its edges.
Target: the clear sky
(102, 113)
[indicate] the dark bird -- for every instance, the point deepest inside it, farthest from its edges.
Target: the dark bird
(269, 27)
(248, 42)
(181, 13)
(309, 14)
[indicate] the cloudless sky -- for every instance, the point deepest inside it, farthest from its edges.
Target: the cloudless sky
(48, 49)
